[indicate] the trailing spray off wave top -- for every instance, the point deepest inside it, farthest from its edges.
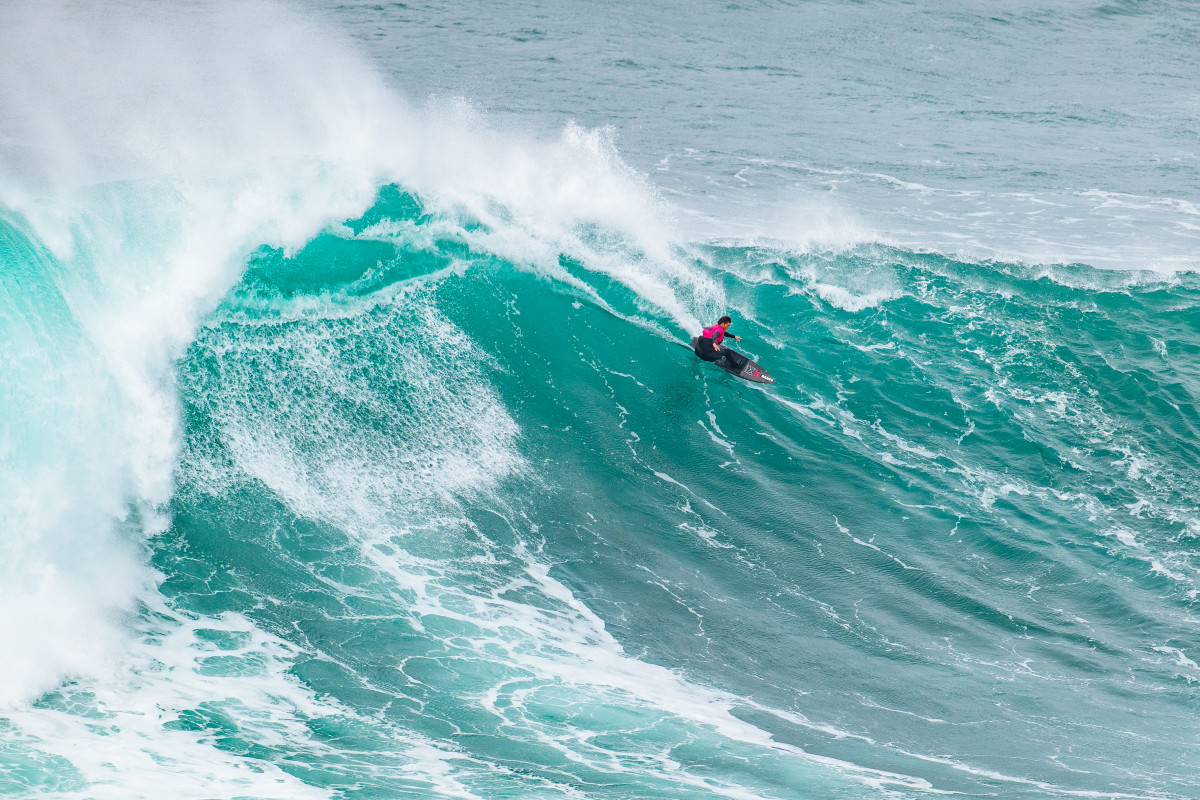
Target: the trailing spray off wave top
(349, 452)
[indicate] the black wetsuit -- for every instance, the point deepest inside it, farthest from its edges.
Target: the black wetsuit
(709, 352)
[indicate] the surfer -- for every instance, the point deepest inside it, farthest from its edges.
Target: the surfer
(708, 346)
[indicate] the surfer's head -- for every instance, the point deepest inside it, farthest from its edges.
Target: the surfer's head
(725, 322)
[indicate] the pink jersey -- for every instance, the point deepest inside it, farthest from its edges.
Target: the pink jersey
(716, 333)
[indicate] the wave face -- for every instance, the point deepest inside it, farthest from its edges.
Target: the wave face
(350, 448)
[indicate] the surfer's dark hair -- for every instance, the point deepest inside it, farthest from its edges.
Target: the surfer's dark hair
(723, 320)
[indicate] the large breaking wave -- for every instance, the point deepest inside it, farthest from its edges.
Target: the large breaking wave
(349, 451)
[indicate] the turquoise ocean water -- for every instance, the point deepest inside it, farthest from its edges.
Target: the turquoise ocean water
(348, 448)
